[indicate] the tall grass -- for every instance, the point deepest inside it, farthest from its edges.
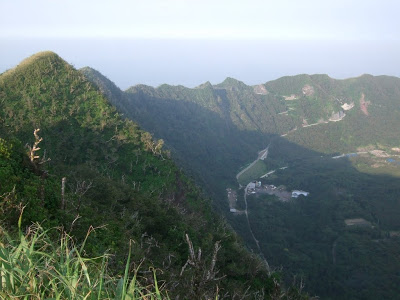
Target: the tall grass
(34, 267)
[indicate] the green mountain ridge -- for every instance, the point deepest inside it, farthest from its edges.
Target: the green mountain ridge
(270, 114)
(116, 175)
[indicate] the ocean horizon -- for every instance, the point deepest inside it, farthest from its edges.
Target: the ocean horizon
(191, 62)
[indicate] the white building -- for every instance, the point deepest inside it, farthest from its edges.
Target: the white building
(297, 193)
(251, 185)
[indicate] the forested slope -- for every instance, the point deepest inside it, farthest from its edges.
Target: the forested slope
(369, 103)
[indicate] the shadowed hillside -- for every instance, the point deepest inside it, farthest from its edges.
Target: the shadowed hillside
(216, 131)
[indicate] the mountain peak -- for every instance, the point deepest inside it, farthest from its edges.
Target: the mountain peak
(231, 83)
(43, 55)
(205, 85)
(231, 80)
(41, 59)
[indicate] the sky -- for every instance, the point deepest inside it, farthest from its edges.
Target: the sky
(190, 42)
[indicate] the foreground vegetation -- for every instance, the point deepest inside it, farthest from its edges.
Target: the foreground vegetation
(35, 267)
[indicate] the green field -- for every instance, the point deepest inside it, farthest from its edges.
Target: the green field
(259, 169)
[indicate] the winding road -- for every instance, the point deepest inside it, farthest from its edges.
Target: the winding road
(263, 154)
(252, 234)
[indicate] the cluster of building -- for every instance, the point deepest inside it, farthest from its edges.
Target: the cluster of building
(251, 187)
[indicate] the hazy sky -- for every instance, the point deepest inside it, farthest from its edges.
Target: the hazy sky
(189, 42)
